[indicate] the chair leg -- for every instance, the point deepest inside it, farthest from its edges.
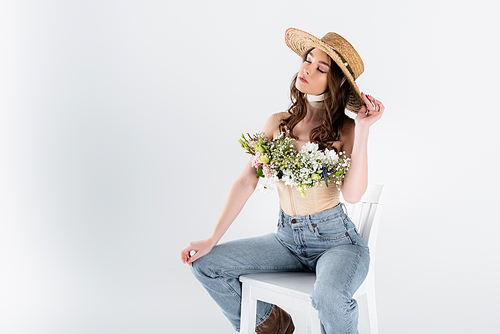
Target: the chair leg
(372, 311)
(372, 308)
(248, 311)
(313, 323)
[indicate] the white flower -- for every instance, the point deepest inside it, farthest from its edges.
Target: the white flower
(331, 155)
(265, 188)
(309, 147)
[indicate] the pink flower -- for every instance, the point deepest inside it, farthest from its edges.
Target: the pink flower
(255, 159)
(267, 171)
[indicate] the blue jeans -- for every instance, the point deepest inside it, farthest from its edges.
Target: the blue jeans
(326, 242)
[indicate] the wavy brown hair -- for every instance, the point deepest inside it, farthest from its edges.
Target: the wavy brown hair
(332, 118)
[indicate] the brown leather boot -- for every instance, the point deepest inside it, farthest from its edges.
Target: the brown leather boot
(279, 322)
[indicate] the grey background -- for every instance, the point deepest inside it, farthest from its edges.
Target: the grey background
(118, 144)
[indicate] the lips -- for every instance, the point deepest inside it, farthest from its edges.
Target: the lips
(302, 79)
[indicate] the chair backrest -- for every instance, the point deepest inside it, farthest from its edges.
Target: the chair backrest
(366, 214)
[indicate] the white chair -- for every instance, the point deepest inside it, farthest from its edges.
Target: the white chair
(291, 290)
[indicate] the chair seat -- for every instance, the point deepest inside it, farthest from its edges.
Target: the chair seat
(289, 290)
(286, 288)
(296, 284)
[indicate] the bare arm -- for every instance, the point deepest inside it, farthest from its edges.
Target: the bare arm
(240, 192)
(356, 179)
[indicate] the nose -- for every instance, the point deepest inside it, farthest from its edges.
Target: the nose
(306, 69)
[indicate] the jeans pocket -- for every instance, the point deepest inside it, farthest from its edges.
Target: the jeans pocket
(354, 234)
(331, 229)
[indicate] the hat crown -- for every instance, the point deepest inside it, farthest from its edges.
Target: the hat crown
(346, 51)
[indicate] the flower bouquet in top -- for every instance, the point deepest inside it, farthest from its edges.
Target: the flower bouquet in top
(277, 159)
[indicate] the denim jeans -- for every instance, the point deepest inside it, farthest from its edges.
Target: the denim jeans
(326, 242)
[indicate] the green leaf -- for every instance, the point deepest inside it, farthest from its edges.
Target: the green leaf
(259, 172)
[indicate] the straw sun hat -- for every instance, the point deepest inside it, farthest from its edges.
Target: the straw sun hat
(341, 52)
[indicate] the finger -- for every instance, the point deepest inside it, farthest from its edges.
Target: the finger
(372, 101)
(186, 254)
(195, 256)
(364, 107)
(376, 104)
(379, 107)
(366, 99)
(370, 105)
(184, 257)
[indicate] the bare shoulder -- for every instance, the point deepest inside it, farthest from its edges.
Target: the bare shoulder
(277, 117)
(271, 128)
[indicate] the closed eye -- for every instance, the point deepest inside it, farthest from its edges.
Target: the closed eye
(309, 61)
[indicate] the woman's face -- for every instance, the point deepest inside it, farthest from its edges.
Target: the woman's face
(312, 78)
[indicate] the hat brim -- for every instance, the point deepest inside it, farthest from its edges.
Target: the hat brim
(300, 42)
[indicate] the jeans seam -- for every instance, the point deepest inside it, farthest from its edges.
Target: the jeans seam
(347, 285)
(233, 293)
(221, 271)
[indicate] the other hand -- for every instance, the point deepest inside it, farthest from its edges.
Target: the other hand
(370, 112)
(195, 250)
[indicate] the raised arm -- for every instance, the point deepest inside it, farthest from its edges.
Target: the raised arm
(241, 190)
(356, 179)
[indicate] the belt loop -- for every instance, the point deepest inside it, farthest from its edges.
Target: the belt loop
(344, 209)
(309, 224)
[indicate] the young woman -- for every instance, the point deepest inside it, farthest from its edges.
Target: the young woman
(314, 233)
